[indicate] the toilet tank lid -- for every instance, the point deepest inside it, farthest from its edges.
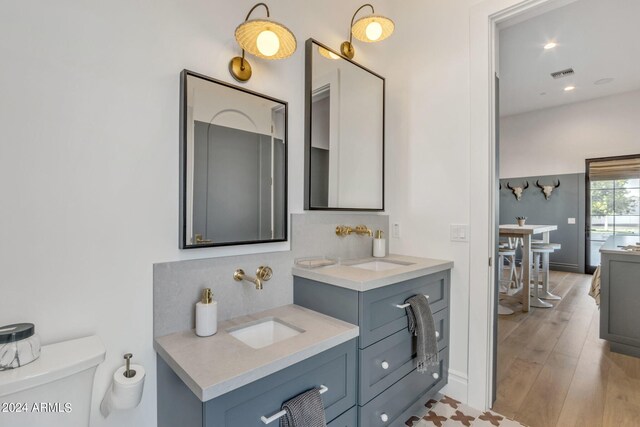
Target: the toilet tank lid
(56, 361)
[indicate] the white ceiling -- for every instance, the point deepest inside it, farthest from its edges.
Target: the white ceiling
(597, 38)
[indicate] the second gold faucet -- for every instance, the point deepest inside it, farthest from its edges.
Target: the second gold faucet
(360, 230)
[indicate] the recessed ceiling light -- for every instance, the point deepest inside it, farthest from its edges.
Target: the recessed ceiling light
(543, 93)
(569, 88)
(603, 81)
(550, 45)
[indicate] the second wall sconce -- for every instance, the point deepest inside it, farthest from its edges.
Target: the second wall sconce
(263, 38)
(371, 28)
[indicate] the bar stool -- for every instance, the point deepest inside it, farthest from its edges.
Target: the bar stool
(510, 256)
(504, 253)
(548, 249)
(538, 251)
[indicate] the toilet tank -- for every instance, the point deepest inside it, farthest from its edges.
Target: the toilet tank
(54, 390)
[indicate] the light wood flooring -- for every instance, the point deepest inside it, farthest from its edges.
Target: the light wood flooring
(553, 370)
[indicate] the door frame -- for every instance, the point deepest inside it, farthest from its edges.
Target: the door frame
(485, 17)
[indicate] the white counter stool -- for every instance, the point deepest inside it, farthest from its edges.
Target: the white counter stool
(505, 253)
(538, 252)
(548, 249)
(510, 256)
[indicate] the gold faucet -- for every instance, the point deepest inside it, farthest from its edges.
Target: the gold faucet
(263, 274)
(360, 230)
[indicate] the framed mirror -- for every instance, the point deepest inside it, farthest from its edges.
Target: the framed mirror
(344, 132)
(233, 165)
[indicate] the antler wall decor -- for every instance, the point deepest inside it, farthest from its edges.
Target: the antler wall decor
(517, 191)
(547, 189)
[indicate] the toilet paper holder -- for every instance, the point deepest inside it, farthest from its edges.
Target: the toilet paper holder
(128, 372)
(127, 386)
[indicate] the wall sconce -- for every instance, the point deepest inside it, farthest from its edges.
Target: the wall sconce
(263, 38)
(371, 28)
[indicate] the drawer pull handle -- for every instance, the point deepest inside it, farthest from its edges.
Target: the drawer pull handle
(385, 365)
(272, 418)
(384, 417)
(437, 334)
(435, 375)
(406, 305)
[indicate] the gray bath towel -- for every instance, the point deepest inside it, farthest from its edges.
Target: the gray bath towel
(304, 410)
(422, 326)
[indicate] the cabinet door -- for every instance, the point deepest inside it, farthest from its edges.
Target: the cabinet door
(388, 360)
(387, 408)
(334, 368)
(379, 314)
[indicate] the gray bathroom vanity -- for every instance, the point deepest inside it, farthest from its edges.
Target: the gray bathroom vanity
(371, 294)
(231, 381)
(620, 295)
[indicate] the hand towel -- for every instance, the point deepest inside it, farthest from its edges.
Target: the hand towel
(304, 410)
(595, 286)
(421, 325)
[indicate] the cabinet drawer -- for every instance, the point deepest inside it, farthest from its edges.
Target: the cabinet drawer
(379, 317)
(335, 368)
(348, 419)
(399, 397)
(397, 354)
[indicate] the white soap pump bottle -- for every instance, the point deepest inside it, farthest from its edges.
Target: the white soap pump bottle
(379, 245)
(206, 314)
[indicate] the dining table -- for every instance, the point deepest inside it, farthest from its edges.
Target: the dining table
(526, 232)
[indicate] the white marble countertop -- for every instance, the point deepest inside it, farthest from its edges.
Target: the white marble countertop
(616, 245)
(358, 279)
(215, 365)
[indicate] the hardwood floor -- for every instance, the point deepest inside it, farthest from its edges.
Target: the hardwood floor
(553, 370)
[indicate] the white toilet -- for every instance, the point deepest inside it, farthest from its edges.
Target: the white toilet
(54, 390)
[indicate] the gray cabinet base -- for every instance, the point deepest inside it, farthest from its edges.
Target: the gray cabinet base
(629, 350)
(335, 368)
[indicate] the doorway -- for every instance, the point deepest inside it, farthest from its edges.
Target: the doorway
(613, 202)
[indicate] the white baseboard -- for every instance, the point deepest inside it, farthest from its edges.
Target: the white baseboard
(457, 387)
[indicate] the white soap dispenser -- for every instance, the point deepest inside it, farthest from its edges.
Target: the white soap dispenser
(206, 314)
(379, 245)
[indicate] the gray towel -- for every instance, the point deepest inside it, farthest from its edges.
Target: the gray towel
(304, 410)
(422, 326)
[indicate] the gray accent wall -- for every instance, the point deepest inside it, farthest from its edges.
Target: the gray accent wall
(567, 201)
(177, 286)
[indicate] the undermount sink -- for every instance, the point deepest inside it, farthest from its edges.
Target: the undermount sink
(380, 265)
(264, 332)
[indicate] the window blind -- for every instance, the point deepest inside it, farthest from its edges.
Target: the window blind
(614, 169)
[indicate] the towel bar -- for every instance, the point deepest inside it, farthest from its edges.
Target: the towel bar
(407, 305)
(277, 415)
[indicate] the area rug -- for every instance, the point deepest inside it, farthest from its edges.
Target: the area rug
(448, 412)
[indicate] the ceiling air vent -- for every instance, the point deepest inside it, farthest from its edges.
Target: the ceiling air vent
(563, 73)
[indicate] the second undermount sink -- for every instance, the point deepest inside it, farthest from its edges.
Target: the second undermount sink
(380, 265)
(264, 332)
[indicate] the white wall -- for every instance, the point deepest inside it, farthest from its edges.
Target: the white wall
(557, 140)
(428, 148)
(89, 182)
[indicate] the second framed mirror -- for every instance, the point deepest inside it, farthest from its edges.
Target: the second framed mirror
(344, 131)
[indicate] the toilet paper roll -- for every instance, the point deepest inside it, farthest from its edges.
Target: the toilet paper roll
(124, 393)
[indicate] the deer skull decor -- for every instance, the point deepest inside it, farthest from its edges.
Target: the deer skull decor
(517, 191)
(547, 189)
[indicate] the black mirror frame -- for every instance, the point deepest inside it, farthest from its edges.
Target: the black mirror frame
(183, 163)
(307, 128)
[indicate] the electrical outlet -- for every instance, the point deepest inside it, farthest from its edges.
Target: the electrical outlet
(395, 231)
(459, 232)
(571, 221)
